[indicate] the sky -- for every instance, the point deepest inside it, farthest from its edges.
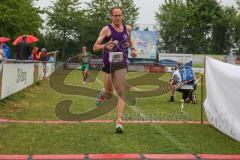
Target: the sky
(147, 8)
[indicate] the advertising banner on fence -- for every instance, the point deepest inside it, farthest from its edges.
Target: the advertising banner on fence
(145, 43)
(50, 68)
(41, 71)
(222, 104)
(35, 72)
(96, 63)
(167, 59)
(45, 70)
(156, 69)
(16, 77)
(136, 68)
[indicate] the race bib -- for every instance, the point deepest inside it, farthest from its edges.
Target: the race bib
(115, 57)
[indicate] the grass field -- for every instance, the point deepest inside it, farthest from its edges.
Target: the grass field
(39, 101)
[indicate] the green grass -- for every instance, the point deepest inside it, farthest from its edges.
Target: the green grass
(38, 103)
(90, 138)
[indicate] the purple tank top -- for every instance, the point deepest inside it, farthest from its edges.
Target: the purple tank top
(122, 38)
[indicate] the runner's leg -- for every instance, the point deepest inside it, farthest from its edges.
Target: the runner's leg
(119, 80)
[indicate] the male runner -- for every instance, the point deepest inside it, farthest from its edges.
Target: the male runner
(114, 40)
(85, 58)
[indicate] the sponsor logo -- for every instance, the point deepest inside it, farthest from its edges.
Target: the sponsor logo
(21, 76)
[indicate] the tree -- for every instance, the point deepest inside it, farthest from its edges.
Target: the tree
(201, 17)
(61, 20)
(224, 31)
(19, 17)
(187, 25)
(173, 21)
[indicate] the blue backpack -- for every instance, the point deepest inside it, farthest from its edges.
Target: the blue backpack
(186, 73)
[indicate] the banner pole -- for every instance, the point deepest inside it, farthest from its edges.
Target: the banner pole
(201, 99)
(202, 88)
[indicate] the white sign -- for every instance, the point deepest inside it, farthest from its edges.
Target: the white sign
(167, 59)
(45, 70)
(50, 68)
(41, 72)
(16, 77)
(222, 104)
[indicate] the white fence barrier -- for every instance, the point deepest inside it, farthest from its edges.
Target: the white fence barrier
(14, 77)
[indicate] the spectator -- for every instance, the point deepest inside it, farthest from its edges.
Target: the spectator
(43, 56)
(176, 78)
(1, 53)
(35, 54)
(182, 76)
(6, 51)
(23, 50)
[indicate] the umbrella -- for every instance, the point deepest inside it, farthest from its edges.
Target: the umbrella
(4, 39)
(29, 39)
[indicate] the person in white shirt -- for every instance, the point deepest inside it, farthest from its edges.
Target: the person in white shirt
(175, 79)
(184, 84)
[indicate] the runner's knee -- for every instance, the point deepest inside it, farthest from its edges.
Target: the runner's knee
(107, 94)
(120, 92)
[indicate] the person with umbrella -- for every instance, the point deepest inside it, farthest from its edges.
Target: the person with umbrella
(6, 50)
(23, 49)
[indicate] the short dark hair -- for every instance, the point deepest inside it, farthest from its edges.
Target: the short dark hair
(111, 12)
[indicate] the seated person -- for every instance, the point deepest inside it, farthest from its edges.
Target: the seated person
(183, 80)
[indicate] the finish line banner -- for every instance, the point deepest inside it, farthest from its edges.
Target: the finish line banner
(145, 43)
(222, 104)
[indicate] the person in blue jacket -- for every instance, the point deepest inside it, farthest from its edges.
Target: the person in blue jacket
(6, 51)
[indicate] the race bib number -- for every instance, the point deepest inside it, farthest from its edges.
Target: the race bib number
(115, 57)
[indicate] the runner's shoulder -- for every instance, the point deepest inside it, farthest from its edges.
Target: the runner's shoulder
(105, 29)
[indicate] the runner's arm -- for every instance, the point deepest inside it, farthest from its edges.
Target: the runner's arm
(98, 46)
